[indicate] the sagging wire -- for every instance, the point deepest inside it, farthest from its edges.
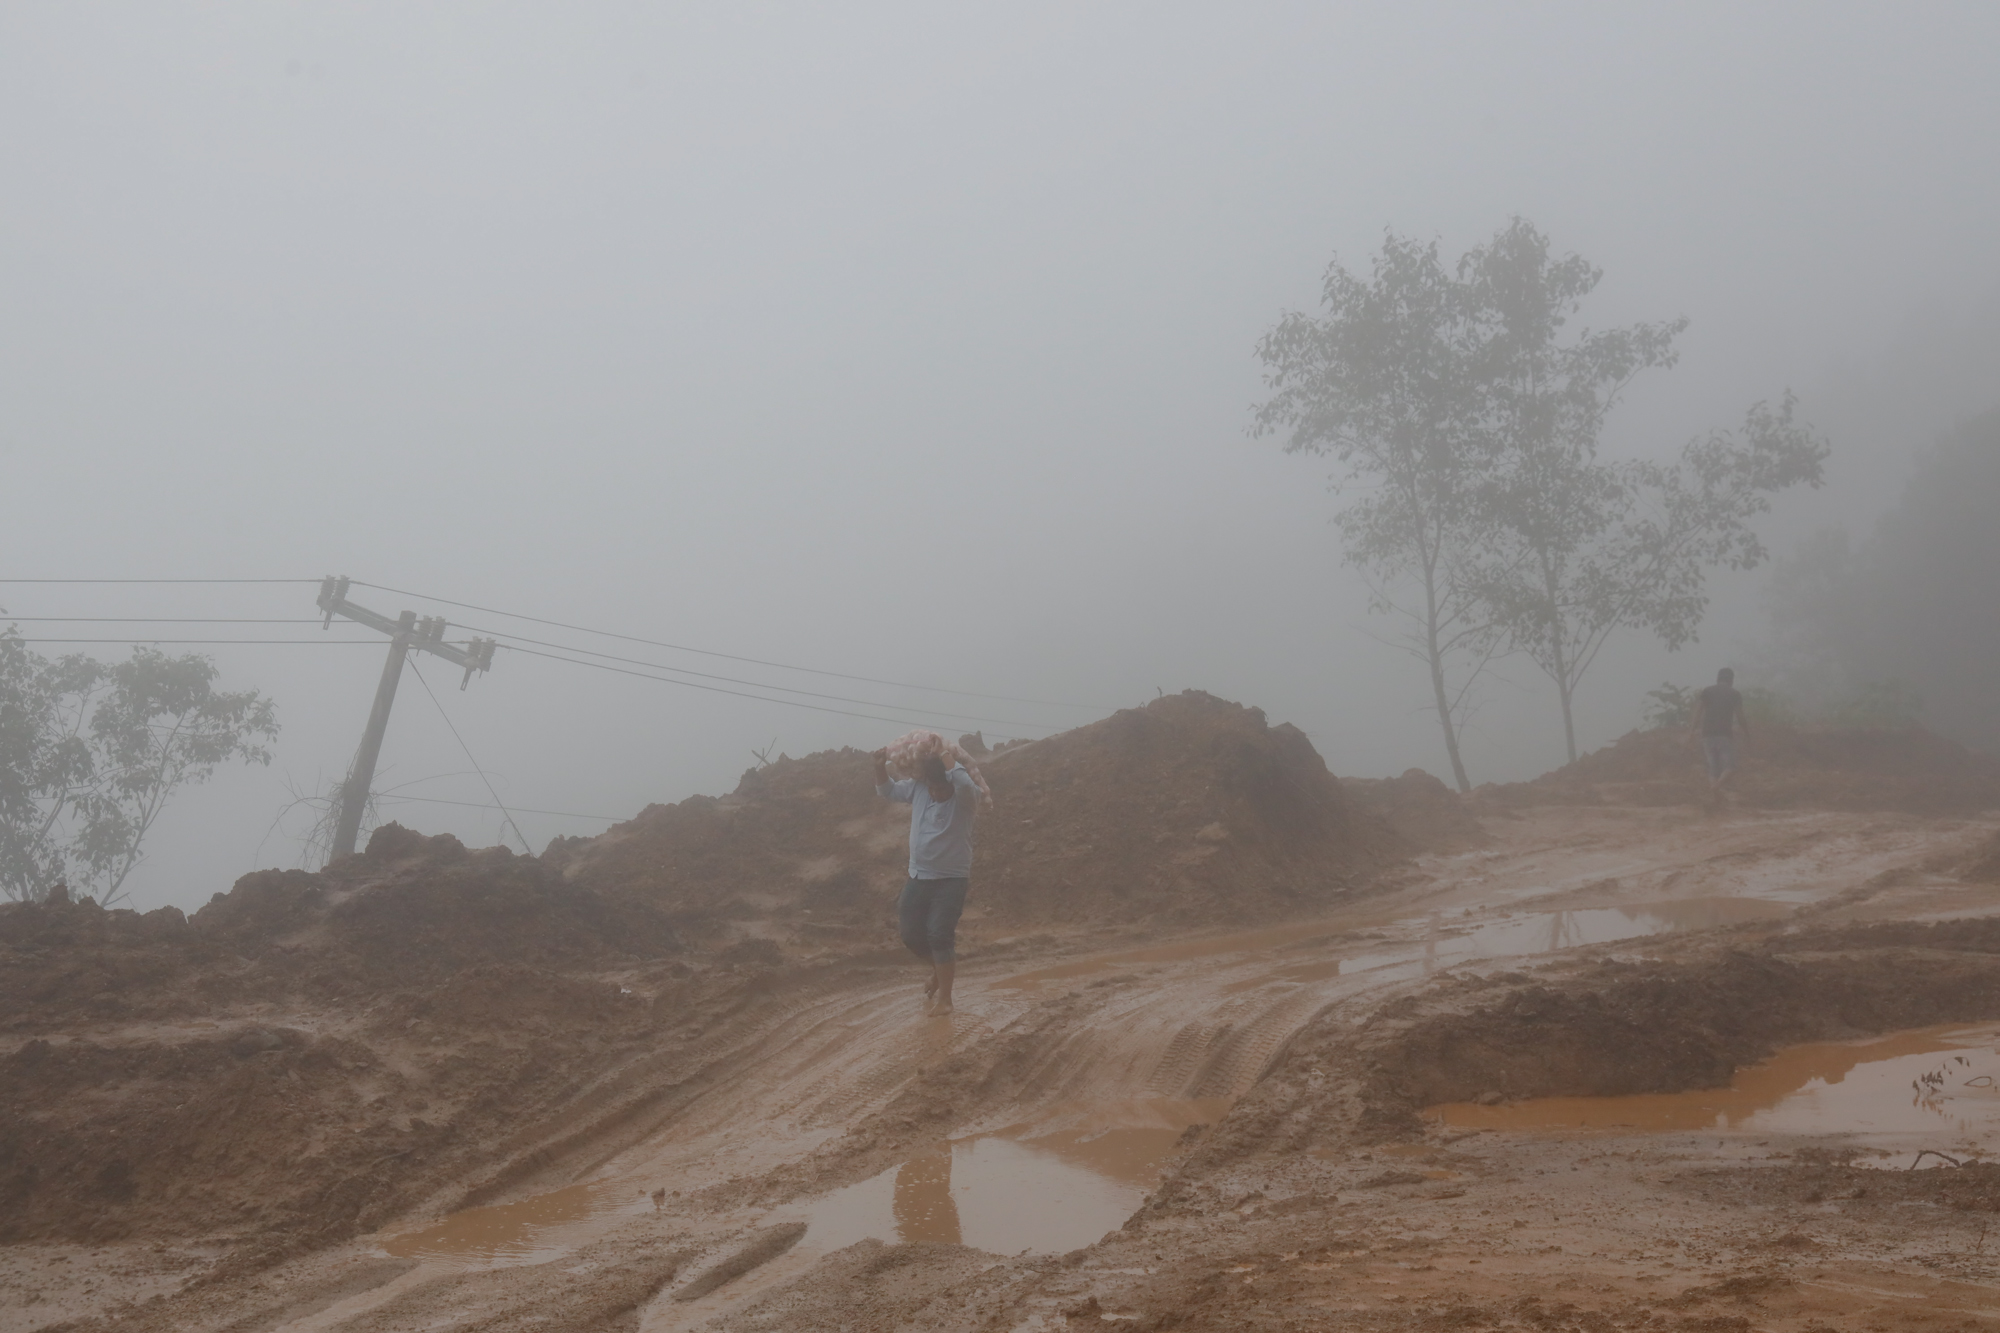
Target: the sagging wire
(497, 802)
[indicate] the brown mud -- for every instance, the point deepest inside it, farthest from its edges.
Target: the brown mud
(677, 1077)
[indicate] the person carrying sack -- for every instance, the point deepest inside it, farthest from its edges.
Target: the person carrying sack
(944, 792)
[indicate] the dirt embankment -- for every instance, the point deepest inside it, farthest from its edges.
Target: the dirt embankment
(1907, 769)
(309, 1053)
(1190, 810)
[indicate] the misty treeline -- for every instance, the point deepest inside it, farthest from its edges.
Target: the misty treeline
(91, 752)
(1906, 623)
(1464, 419)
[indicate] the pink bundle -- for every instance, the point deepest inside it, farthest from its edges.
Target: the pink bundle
(908, 752)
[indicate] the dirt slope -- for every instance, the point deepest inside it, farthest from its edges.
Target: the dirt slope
(1189, 810)
(308, 1052)
(1907, 769)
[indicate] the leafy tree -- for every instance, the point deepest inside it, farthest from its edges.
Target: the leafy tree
(45, 761)
(1545, 402)
(1467, 423)
(1584, 548)
(90, 755)
(1385, 384)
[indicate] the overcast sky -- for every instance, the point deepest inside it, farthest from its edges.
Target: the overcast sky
(907, 341)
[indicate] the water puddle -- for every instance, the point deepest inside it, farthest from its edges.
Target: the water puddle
(1526, 935)
(1935, 1088)
(529, 1231)
(1055, 1186)
(1058, 1189)
(1436, 943)
(1546, 932)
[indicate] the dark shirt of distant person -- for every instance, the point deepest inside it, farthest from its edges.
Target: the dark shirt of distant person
(1718, 713)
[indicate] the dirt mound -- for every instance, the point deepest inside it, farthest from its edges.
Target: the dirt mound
(308, 1053)
(410, 911)
(1906, 768)
(1190, 809)
(1421, 810)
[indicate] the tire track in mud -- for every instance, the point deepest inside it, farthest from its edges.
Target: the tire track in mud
(647, 1096)
(1240, 1058)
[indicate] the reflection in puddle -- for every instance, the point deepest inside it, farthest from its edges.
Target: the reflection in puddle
(990, 1193)
(1909, 1089)
(1049, 1188)
(507, 1232)
(1005, 1193)
(923, 1205)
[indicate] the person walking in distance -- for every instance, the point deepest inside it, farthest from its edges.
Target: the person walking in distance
(1718, 712)
(943, 804)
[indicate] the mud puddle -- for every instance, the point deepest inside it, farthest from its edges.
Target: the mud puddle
(1049, 1190)
(1046, 1189)
(1531, 933)
(1525, 935)
(530, 1230)
(1425, 943)
(1935, 1089)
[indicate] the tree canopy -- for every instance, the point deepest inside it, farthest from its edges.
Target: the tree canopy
(1584, 547)
(90, 754)
(1465, 421)
(1383, 385)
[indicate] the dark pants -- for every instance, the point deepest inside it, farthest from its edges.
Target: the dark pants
(928, 914)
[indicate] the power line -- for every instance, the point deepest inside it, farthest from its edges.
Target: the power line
(468, 756)
(518, 638)
(516, 615)
(733, 680)
(717, 689)
(704, 652)
(526, 810)
(306, 642)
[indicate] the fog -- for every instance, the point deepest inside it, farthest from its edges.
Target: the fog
(908, 342)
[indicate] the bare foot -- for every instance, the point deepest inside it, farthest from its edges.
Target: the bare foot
(938, 1010)
(930, 988)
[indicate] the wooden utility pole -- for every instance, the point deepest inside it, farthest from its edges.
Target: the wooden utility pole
(406, 632)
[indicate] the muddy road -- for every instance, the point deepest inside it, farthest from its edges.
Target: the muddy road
(1220, 1129)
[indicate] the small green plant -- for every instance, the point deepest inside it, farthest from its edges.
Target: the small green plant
(1672, 706)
